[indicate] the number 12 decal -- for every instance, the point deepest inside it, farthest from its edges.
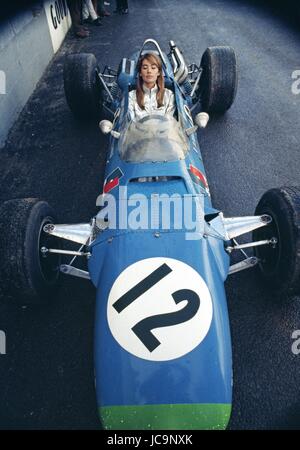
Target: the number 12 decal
(144, 327)
(150, 304)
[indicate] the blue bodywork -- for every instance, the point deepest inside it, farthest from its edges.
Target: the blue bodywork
(203, 375)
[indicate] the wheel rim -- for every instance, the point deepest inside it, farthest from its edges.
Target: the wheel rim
(269, 255)
(49, 263)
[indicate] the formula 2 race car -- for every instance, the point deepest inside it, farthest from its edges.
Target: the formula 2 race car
(157, 251)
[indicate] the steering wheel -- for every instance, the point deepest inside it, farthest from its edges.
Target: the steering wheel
(153, 116)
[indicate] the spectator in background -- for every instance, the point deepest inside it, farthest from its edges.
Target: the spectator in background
(75, 8)
(122, 7)
(89, 13)
(101, 9)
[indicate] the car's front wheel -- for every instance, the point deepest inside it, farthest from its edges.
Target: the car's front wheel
(82, 85)
(26, 276)
(219, 79)
(280, 263)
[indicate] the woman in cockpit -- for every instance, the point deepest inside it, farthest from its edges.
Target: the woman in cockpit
(151, 96)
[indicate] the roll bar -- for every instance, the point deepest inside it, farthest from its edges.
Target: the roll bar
(152, 41)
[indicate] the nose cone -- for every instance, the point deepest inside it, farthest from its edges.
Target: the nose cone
(162, 341)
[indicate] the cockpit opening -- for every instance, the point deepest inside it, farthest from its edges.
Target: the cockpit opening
(154, 138)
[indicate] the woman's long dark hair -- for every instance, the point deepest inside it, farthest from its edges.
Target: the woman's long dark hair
(153, 59)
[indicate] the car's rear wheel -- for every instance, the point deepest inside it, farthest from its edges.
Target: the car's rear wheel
(280, 264)
(219, 79)
(82, 85)
(26, 276)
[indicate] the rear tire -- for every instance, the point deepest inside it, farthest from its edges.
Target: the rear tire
(82, 85)
(219, 79)
(25, 275)
(280, 266)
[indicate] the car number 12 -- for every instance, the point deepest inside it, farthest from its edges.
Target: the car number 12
(159, 309)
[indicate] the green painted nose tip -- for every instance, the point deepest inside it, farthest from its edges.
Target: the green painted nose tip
(214, 416)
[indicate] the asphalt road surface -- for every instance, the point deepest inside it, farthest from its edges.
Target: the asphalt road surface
(47, 376)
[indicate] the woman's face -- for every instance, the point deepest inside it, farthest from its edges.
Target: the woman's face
(149, 73)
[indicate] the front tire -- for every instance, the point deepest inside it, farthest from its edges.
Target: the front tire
(82, 85)
(280, 265)
(27, 277)
(219, 79)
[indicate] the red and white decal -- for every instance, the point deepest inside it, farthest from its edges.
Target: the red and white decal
(112, 180)
(198, 177)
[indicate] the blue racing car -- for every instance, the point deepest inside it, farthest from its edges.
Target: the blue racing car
(158, 252)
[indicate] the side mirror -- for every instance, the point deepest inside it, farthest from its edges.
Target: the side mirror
(201, 119)
(105, 126)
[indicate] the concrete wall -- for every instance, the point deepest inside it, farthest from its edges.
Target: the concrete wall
(28, 41)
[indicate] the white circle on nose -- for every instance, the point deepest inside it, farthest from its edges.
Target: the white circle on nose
(159, 309)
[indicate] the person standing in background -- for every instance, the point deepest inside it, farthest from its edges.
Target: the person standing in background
(89, 13)
(99, 6)
(122, 7)
(75, 8)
